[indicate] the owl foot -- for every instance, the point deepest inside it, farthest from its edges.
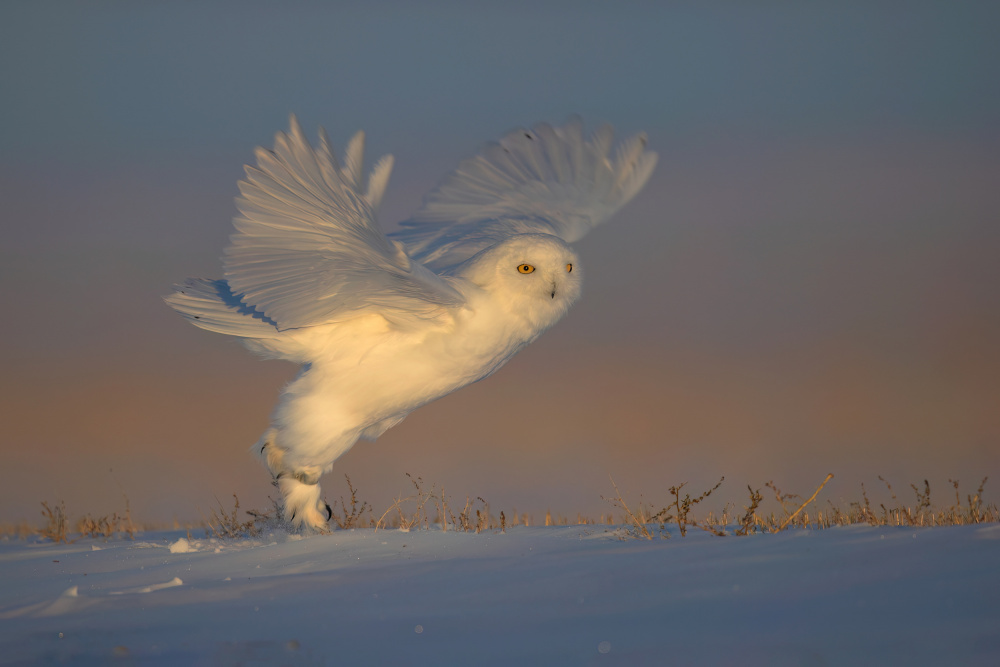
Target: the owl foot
(303, 507)
(300, 492)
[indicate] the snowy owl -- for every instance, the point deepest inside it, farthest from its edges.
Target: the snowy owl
(383, 324)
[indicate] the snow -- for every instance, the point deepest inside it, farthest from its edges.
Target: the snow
(570, 595)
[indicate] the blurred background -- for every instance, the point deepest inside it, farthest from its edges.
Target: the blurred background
(810, 282)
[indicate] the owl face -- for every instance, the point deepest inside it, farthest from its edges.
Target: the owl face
(534, 276)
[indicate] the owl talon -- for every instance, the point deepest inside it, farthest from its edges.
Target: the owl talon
(300, 491)
(303, 506)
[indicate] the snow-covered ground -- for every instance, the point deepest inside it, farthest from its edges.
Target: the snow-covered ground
(572, 595)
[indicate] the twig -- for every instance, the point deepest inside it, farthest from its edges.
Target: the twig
(638, 525)
(803, 505)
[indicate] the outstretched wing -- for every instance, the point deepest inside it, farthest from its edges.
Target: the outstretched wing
(211, 305)
(307, 248)
(545, 180)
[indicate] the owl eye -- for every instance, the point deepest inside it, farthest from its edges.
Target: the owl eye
(569, 268)
(525, 268)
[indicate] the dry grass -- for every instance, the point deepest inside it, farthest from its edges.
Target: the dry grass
(431, 508)
(637, 523)
(923, 513)
(56, 526)
(228, 525)
(21, 530)
(412, 511)
(794, 514)
(354, 519)
(57, 523)
(108, 526)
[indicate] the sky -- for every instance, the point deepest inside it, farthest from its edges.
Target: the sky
(808, 284)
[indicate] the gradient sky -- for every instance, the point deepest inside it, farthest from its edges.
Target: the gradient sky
(810, 283)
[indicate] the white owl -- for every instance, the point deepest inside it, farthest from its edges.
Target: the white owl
(384, 324)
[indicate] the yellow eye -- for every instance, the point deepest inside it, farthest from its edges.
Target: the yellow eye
(569, 268)
(525, 268)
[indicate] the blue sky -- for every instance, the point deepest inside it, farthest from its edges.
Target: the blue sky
(117, 80)
(807, 285)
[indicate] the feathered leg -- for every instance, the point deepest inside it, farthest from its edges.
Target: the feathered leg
(300, 490)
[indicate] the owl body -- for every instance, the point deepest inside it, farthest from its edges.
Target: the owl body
(365, 376)
(385, 324)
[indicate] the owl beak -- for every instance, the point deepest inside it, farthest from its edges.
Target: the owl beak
(553, 290)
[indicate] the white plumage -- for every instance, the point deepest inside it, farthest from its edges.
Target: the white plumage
(384, 324)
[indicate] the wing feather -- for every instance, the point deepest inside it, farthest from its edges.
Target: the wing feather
(378, 180)
(545, 180)
(211, 305)
(307, 248)
(353, 160)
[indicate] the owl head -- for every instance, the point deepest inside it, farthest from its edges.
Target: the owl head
(535, 277)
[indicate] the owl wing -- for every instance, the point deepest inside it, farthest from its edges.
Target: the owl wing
(545, 180)
(307, 248)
